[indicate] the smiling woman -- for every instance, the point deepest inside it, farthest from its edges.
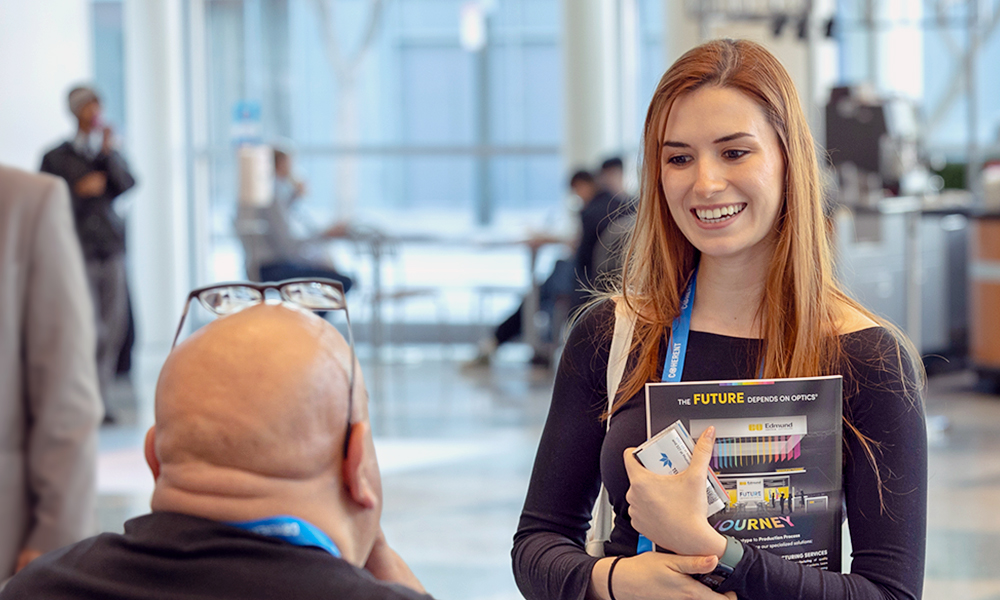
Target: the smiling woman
(723, 174)
(730, 189)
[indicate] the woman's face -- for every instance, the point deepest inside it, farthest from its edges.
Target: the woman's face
(722, 172)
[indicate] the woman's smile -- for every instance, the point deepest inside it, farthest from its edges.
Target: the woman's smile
(718, 215)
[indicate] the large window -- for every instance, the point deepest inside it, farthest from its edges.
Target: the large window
(393, 121)
(877, 40)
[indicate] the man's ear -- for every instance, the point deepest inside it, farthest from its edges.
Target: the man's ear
(360, 469)
(149, 447)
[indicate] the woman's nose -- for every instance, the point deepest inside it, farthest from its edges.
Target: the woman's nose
(710, 180)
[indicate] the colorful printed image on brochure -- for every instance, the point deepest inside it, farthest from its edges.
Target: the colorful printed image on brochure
(778, 454)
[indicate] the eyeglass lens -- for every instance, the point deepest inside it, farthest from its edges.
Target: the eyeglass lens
(314, 295)
(227, 300)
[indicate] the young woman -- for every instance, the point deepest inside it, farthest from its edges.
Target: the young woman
(730, 187)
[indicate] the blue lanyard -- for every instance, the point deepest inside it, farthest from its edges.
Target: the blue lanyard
(292, 530)
(673, 365)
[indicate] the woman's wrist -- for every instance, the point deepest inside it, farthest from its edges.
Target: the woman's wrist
(598, 588)
(611, 577)
(717, 545)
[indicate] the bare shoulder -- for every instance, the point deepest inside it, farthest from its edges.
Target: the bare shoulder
(851, 319)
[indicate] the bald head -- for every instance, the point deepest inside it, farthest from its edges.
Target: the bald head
(264, 391)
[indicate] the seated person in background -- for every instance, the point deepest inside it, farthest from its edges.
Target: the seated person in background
(285, 255)
(266, 486)
(569, 278)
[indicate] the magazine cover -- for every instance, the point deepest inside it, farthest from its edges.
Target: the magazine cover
(777, 453)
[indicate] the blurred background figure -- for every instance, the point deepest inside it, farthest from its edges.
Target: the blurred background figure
(49, 404)
(612, 177)
(287, 248)
(571, 279)
(97, 175)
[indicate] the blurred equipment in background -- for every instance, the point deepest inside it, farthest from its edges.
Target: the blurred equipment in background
(97, 175)
(984, 276)
(901, 240)
(873, 143)
(268, 191)
(50, 407)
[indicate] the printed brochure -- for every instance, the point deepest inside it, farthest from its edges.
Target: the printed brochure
(777, 454)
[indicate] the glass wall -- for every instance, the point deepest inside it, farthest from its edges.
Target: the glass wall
(943, 29)
(393, 122)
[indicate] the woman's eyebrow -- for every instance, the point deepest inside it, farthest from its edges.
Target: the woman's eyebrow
(721, 140)
(732, 136)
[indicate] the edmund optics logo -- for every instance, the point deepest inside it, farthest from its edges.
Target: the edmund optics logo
(756, 427)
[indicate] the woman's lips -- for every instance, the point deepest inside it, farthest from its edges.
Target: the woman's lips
(718, 214)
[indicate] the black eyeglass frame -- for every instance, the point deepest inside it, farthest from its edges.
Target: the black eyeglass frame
(280, 286)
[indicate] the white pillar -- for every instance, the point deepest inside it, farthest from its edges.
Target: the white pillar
(591, 55)
(901, 50)
(43, 53)
(158, 226)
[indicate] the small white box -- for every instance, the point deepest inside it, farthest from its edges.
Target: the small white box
(669, 453)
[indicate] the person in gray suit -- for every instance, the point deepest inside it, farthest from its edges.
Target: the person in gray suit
(50, 407)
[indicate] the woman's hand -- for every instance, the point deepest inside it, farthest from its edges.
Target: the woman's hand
(671, 510)
(385, 564)
(654, 576)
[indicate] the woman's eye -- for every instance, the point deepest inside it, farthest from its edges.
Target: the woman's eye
(735, 154)
(679, 159)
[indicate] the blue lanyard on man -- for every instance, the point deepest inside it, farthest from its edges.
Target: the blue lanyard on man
(292, 530)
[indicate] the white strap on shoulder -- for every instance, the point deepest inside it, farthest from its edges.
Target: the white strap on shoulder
(625, 320)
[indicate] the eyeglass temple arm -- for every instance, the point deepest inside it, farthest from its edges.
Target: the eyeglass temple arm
(354, 360)
(180, 326)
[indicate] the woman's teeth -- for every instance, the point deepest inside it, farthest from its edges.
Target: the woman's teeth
(714, 215)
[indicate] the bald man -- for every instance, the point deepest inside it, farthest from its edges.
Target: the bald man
(257, 495)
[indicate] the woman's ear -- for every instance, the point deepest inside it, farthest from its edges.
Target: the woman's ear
(360, 469)
(149, 447)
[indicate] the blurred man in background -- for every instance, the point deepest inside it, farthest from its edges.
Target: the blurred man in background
(50, 407)
(570, 279)
(612, 176)
(97, 175)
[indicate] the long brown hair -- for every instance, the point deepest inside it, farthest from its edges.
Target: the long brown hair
(803, 304)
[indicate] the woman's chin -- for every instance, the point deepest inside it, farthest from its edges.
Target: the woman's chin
(728, 250)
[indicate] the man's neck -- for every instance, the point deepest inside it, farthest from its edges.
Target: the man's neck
(255, 500)
(729, 295)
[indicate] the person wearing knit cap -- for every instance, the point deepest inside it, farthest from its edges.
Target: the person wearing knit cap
(97, 175)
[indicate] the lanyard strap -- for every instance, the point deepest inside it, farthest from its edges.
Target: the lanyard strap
(292, 530)
(673, 366)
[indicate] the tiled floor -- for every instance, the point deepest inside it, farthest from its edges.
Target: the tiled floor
(456, 449)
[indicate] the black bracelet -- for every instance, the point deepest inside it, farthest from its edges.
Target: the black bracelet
(611, 572)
